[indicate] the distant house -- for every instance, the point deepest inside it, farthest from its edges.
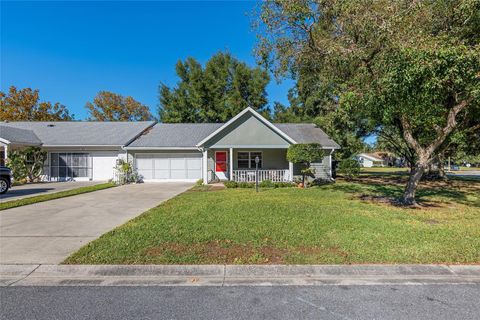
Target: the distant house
(369, 160)
(82, 150)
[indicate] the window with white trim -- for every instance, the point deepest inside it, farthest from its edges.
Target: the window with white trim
(70, 165)
(246, 159)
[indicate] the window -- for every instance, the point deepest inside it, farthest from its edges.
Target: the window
(243, 160)
(246, 160)
(69, 165)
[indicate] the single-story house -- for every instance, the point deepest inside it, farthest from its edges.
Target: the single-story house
(84, 150)
(369, 160)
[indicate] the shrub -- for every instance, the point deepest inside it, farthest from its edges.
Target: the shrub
(246, 184)
(349, 168)
(284, 184)
(126, 172)
(266, 184)
(230, 184)
(27, 164)
(199, 182)
(263, 184)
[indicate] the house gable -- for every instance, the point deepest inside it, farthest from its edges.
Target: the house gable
(247, 131)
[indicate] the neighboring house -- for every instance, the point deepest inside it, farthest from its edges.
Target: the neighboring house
(369, 160)
(77, 150)
(172, 152)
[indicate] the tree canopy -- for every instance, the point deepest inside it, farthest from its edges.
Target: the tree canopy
(109, 106)
(412, 66)
(25, 105)
(214, 93)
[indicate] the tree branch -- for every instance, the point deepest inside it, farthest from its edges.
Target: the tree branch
(451, 123)
(408, 136)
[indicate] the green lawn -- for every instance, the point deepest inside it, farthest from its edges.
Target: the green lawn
(384, 170)
(321, 225)
(50, 196)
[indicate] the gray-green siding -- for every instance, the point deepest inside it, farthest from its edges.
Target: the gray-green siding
(246, 132)
(322, 169)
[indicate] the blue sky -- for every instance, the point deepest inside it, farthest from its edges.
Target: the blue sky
(72, 50)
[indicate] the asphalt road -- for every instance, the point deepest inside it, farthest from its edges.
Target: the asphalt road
(320, 302)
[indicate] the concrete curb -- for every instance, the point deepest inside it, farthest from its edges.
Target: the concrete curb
(234, 275)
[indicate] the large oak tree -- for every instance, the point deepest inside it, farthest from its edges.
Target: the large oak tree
(25, 105)
(413, 66)
(109, 106)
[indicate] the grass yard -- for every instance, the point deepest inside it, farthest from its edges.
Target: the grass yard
(51, 196)
(341, 223)
(469, 168)
(384, 170)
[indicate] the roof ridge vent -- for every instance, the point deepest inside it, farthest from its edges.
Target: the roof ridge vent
(50, 125)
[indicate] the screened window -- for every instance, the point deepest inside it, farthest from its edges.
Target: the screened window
(243, 160)
(70, 165)
(246, 160)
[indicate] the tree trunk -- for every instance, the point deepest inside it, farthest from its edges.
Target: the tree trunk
(415, 177)
(425, 153)
(435, 170)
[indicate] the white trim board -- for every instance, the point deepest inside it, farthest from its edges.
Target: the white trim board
(161, 148)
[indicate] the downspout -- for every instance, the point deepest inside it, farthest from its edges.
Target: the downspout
(330, 156)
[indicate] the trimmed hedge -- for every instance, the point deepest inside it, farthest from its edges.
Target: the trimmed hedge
(263, 184)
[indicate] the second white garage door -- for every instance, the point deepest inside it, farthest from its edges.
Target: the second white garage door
(169, 166)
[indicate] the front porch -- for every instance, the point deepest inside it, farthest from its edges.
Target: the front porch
(239, 165)
(274, 175)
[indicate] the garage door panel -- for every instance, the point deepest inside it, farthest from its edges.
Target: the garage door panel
(194, 174)
(194, 164)
(177, 164)
(144, 163)
(178, 174)
(162, 163)
(146, 174)
(162, 174)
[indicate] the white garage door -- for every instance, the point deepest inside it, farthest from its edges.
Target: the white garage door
(169, 166)
(103, 165)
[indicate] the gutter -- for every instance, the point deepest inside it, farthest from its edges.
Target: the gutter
(82, 145)
(160, 148)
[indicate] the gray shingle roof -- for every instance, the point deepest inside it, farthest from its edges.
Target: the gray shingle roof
(187, 135)
(83, 133)
(307, 133)
(179, 135)
(19, 136)
(90, 133)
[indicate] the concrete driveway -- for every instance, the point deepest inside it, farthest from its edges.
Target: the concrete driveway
(37, 189)
(48, 232)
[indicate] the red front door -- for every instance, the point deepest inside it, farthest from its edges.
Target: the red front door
(221, 164)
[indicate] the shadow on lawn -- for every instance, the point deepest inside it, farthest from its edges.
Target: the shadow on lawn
(429, 193)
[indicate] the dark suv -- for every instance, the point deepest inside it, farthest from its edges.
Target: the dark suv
(5, 179)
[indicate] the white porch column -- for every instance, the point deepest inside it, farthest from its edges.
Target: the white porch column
(231, 164)
(205, 166)
(5, 154)
(290, 169)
